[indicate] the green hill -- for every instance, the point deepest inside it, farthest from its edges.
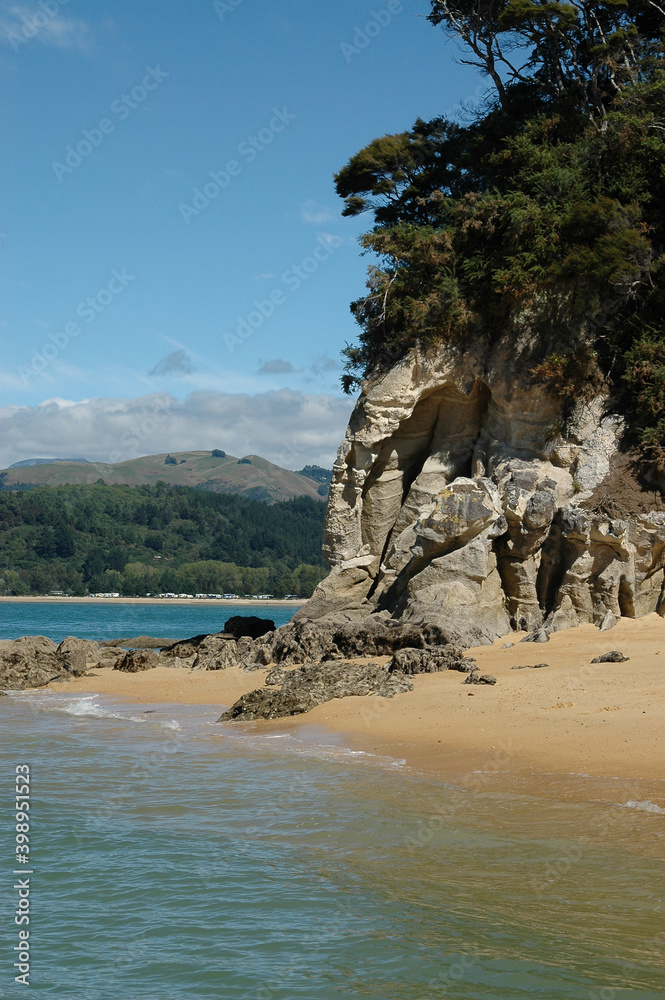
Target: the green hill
(252, 477)
(155, 539)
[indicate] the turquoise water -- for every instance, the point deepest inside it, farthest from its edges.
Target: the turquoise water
(178, 859)
(119, 620)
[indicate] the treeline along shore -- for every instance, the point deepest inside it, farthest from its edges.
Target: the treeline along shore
(134, 541)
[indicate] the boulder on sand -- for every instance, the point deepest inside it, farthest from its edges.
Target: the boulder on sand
(240, 625)
(136, 660)
(75, 654)
(29, 662)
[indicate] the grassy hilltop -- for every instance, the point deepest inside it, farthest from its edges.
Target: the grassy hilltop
(252, 477)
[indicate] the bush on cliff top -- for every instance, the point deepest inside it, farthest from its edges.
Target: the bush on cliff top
(550, 200)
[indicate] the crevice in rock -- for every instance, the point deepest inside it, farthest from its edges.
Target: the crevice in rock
(552, 569)
(626, 599)
(397, 466)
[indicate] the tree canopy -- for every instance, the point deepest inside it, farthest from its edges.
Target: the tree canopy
(152, 539)
(556, 50)
(551, 194)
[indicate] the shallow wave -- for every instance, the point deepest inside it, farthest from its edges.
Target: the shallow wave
(88, 706)
(194, 720)
(318, 748)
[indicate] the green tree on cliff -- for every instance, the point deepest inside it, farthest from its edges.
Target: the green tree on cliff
(552, 194)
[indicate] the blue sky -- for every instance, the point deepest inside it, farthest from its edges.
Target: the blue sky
(124, 291)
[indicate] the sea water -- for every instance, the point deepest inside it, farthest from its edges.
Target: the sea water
(116, 619)
(174, 858)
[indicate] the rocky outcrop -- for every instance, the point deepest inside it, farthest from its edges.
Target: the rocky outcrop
(462, 499)
(303, 688)
(33, 661)
(136, 660)
(75, 654)
(138, 642)
(217, 652)
(28, 662)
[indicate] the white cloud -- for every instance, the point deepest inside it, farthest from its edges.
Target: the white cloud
(21, 24)
(289, 428)
(311, 211)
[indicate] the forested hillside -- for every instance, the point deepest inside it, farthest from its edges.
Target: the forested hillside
(153, 539)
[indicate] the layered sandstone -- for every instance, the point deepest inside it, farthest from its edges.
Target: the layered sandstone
(462, 497)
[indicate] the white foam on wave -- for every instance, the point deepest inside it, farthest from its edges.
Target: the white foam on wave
(173, 724)
(88, 706)
(646, 806)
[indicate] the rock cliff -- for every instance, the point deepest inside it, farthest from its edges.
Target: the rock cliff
(461, 497)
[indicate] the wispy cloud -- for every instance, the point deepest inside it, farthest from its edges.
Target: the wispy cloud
(21, 23)
(311, 211)
(287, 427)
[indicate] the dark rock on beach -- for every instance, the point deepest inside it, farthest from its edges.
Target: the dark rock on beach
(306, 641)
(614, 656)
(303, 688)
(430, 660)
(240, 625)
(539, 635)
(138, 659)
(477, 678)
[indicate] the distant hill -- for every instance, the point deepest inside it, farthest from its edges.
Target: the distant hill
(320, 475)
(252, 476)
(44, 461)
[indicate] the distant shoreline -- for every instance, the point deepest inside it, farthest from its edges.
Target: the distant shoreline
(216, 602)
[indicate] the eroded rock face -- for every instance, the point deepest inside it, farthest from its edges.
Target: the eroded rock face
(458, 501)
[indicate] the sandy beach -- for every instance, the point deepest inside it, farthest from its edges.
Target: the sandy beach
(244, 603)
(534, 726)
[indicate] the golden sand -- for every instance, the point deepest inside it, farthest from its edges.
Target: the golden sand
(570, 717)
